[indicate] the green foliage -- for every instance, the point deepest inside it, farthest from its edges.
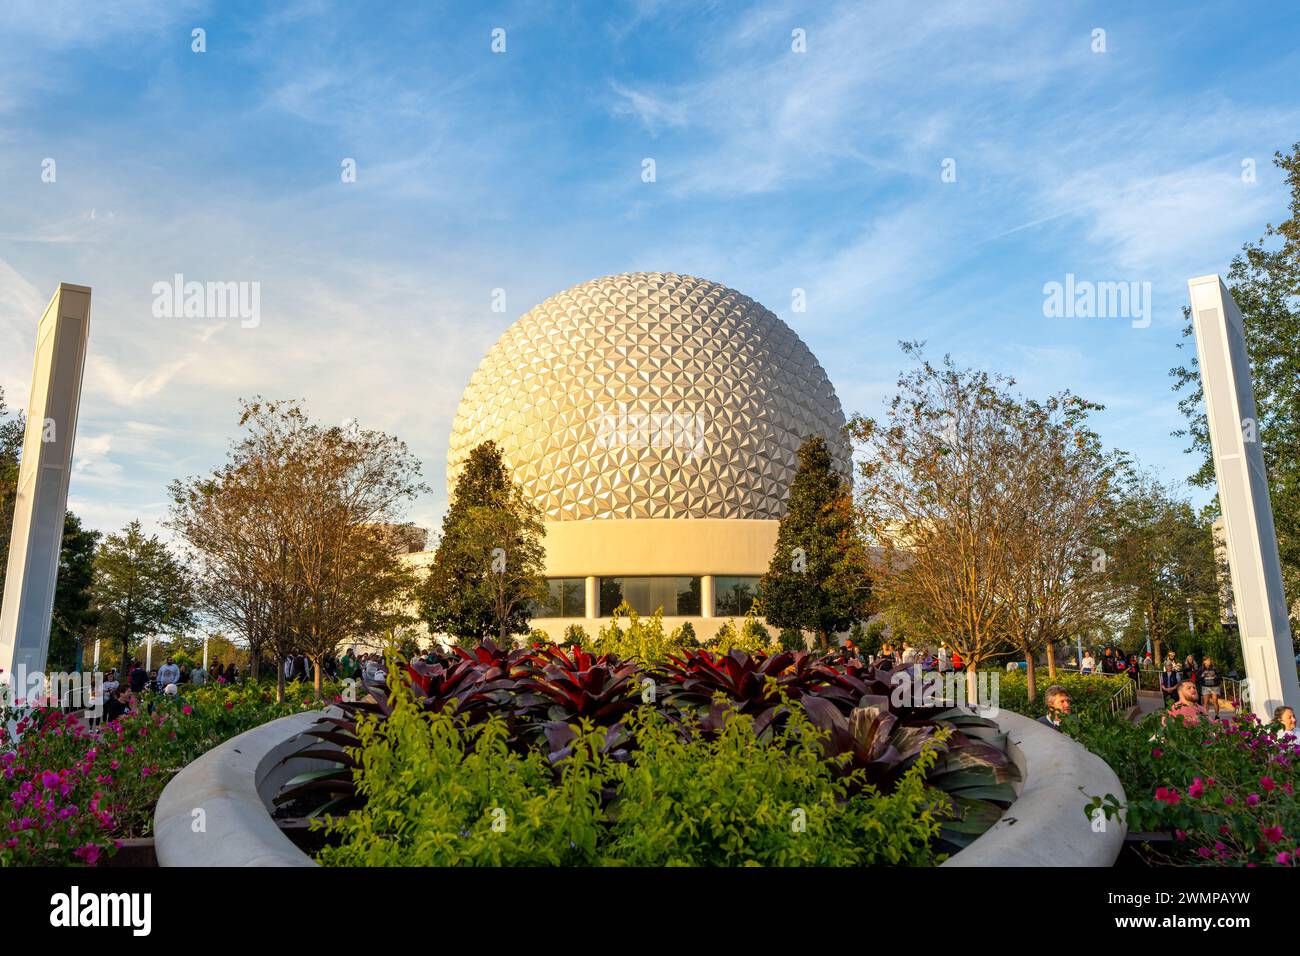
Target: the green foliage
(819, 578)
(1090, 694)
(443, 794)
(1264, 280)
(139, 589)
(1227, 791)
(73, 618)
(792, 639)
(784, 805)
(752, 637)
(68, 793)
(576, 634)
(487, 570)
(642, 639)
(440, 794)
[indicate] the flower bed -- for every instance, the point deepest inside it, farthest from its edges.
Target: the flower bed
(668, 758)
(1224, 792)
(72, 794)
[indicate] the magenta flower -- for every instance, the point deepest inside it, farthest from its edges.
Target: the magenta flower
(88, 854)
(1272, 834)
(1252, 800)
(1197, 789)
(1267, 783)
(1283, 858)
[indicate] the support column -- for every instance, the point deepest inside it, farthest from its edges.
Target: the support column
(707, 597)
(42, 497)
(593, 597)
(1243, 497)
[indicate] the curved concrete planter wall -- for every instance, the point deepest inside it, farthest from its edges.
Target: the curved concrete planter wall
(234, 783)
(1046, 826)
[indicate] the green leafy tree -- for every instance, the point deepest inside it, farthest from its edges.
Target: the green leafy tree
(73, 622)
(11, 447)
(139, 589)
(819, 578)
(486, 574)
(1160, 562)
(1264, 280)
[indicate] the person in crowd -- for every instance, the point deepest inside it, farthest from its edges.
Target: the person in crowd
(1284, 715)
(348, 663)
(1148, 663)
(1089, 664)
(152, 685)
(944, 659)
(1186, 706)
(231, 673)
(958, 663)
(138, 678)
(198, 676)
(1169, 680)
(1209, 681)
(1131, 668)
(1058, 705)
(909, 655)
(118, 704)
(169, 673)
(1191, 671)
(1108, 662)
(111, 683)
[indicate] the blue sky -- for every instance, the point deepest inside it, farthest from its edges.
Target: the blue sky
(522, 171)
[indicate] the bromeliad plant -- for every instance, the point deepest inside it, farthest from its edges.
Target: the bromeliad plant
(542, 697)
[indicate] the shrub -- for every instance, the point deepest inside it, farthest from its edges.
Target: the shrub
(443, 794)
(752, 637)
(1225, 791)
(576, 634)
(643, 639)
(1090, 694)
(71, 794)
(784, 805)
(792, 639)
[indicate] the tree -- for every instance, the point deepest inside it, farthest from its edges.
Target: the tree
(1264, 280)
(819, 578)
(1160, 559)
(11, 447)
(942, 496)
(292, 535)
(1057, 585)
(487, 570)
(139, 589)
(74, 619)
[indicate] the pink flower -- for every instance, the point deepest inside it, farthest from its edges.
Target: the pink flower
(89, 854)
(1204, 853)
(1272, 834)
(1252, 800)
(1197, 789)
(1267, 783)
(1283, 858)
(1168, 795)
(1156, 753)
(187, 710)
(1180, 835)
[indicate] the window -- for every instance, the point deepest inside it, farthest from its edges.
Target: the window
(678, 596)
(567, 597)
(733, 597)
